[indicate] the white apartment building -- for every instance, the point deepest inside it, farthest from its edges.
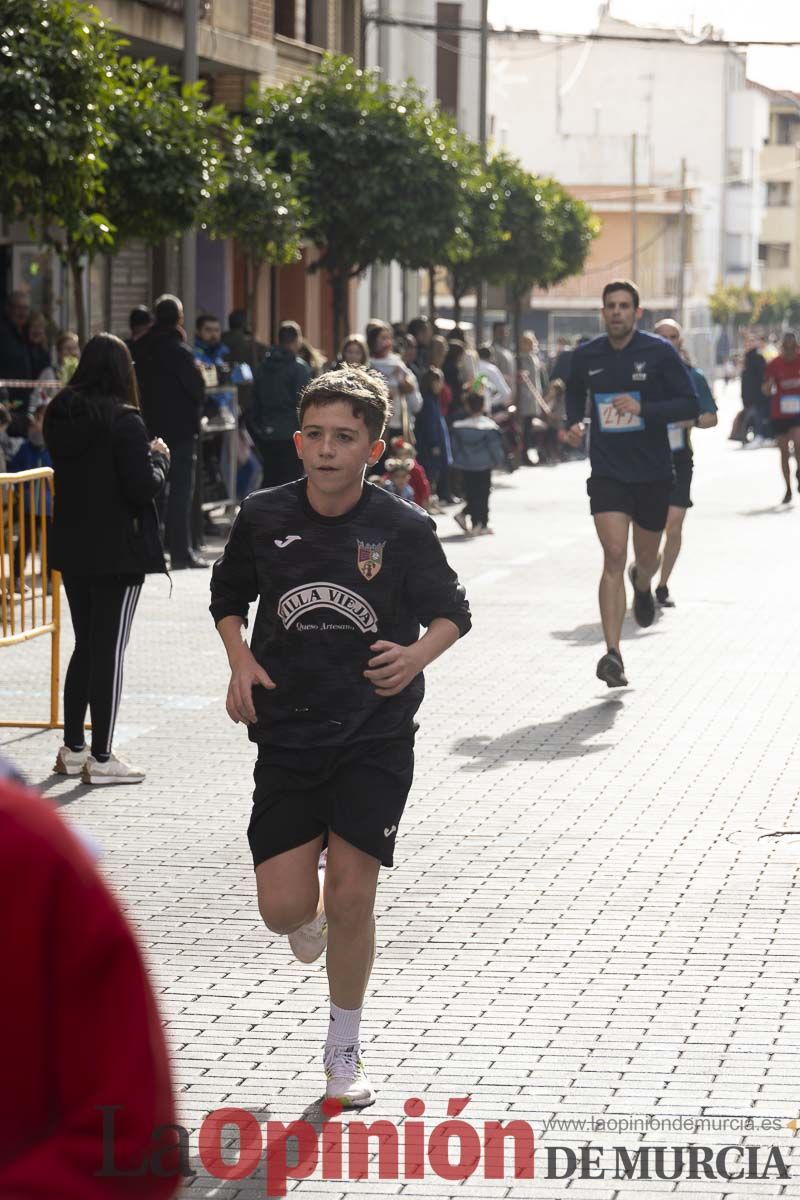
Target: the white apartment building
(583, 111)
(445, 62)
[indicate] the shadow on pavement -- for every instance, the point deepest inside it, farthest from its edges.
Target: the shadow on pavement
(775, 509)
(564, 738)
(593, 633)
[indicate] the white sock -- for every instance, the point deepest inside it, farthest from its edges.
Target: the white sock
(344, 1026)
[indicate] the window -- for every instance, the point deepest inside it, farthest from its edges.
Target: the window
(302, 20)
(773, 254)
(785, 129)
(447, 57)
(734, 252)
(733, 165)
(779, 193)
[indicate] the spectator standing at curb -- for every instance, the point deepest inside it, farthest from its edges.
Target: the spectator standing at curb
(105, 540)
(477, 449)
(172, 399)
(280, 379)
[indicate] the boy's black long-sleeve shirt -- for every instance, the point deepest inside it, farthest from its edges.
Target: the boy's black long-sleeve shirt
(632, 449)
(328, 588)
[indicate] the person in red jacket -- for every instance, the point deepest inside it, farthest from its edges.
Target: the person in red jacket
(79, 1030)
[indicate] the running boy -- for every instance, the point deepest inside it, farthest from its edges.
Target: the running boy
(345, 574)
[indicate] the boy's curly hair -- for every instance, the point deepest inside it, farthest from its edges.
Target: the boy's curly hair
(365, 390)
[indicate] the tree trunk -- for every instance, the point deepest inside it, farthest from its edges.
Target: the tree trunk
(432, 294)
(457, 297)
(252, 280)
(340, 309)
(517, 327)
(76, 271)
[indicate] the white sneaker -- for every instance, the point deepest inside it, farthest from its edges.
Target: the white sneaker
(347, 1079)
(113, 771)
(309, 941)
(70, 762)
(482, 530)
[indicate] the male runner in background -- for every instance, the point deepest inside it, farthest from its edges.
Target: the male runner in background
(345, 574)
(637, 385)
(680, 439)
(782, 384)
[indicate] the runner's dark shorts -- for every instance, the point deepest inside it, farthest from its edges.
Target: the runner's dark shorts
(683, 462)
(647, 503)
(782, 425)
(357, 791)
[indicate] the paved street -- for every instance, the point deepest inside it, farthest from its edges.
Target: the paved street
(587, 917)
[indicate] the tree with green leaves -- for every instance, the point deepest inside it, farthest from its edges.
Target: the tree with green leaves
(259, 206)
(531, 233)
(364, 144)
(731, 304)
(57, 63)
(165, 154)
(474, 238)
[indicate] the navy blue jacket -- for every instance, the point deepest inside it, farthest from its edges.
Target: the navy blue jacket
(632, 449)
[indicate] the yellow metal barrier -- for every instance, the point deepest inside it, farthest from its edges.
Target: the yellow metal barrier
(25, 497)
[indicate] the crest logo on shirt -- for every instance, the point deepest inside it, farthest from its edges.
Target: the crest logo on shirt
(639, 371)
(369, 558)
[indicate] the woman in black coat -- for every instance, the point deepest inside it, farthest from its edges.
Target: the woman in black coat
(105, 539)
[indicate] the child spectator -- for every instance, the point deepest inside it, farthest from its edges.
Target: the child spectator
(32, 454)
(353, 352)
(477, 448)
(396, 479)
(430, 430)
(417, 476)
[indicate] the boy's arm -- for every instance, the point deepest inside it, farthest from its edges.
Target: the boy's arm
(438, 601)
(234, 586)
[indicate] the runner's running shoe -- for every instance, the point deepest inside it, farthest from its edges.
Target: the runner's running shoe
(309, 941)
(611, 670)
(787, 499)
(663, 597)
(644, 606)
(347, 1079)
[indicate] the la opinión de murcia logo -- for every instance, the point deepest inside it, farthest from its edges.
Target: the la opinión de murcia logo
(454, 1149)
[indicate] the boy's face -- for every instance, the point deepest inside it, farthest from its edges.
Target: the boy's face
(335, 446)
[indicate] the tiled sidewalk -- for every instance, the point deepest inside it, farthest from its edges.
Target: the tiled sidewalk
(584, 920)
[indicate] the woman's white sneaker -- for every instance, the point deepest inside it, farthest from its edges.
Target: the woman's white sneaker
(309, 941)
(347, 1079)
(70, 762)
(113, 771)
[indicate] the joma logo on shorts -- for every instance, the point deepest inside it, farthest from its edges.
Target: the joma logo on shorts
(327, 595)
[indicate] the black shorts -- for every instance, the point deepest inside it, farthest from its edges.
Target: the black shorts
(782, 425)
(683, 462)
(647, 503)
(357, 791)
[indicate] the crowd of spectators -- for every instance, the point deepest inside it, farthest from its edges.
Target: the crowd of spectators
(432, 377)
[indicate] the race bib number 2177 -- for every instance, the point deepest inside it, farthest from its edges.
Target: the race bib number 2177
(612, 421)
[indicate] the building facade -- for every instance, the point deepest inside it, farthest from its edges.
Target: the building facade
(618, 124)
(779, 241)
(241, 43)
(438, 45)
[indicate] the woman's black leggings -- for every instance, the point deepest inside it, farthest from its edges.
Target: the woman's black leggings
(102, 608)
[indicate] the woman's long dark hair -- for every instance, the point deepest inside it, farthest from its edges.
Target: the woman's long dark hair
(104, 377)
